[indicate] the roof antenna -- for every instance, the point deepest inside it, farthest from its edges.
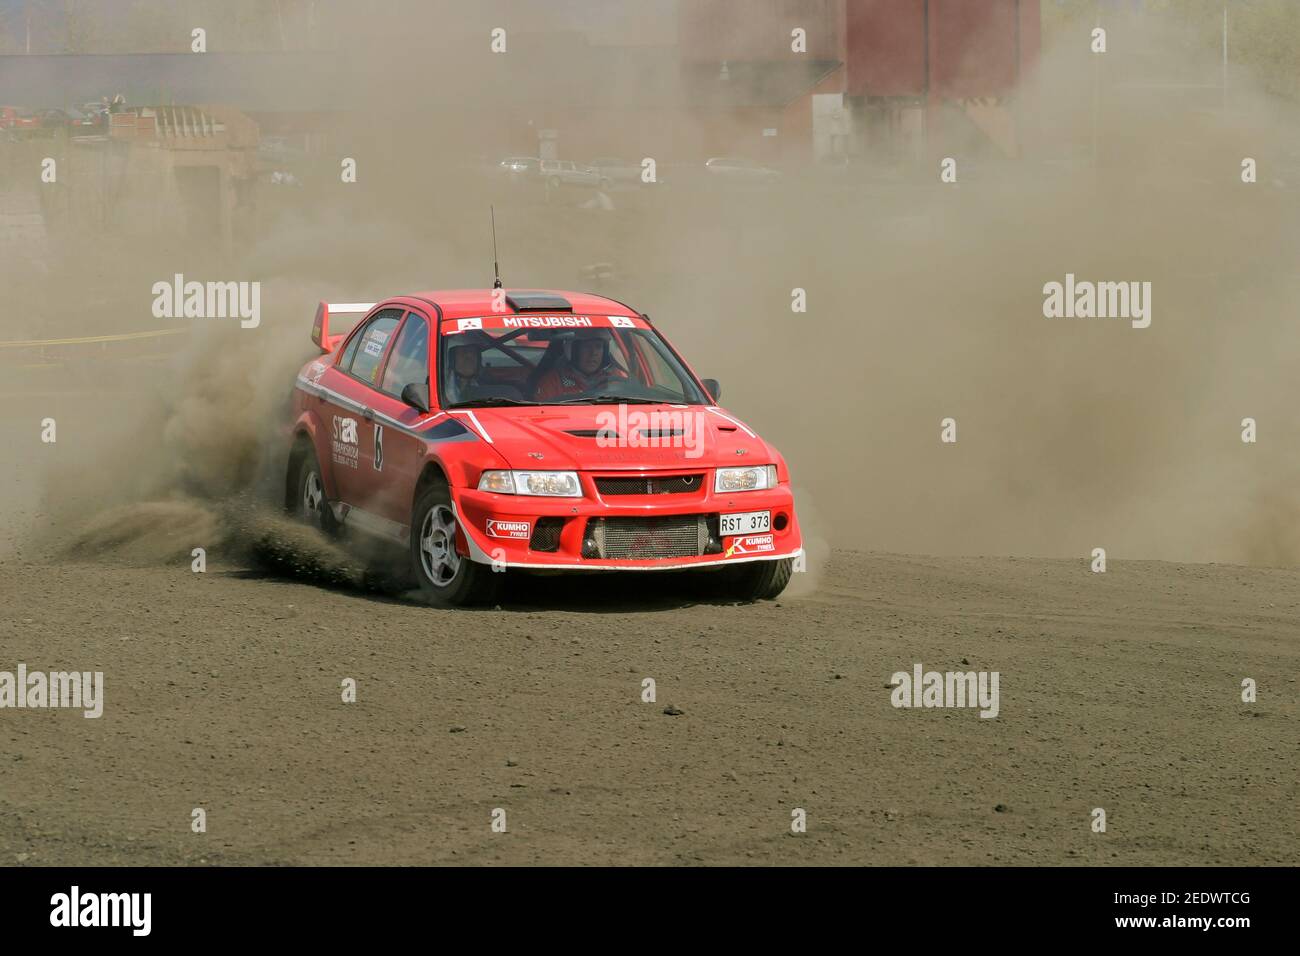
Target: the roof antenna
(496, 266)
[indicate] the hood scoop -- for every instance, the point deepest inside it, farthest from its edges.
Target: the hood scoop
(538, 302)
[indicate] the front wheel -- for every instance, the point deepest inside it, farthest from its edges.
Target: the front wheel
(447, 578)
(758, 580)
(310, 504)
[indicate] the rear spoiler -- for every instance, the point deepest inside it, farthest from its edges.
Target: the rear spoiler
(320, 332)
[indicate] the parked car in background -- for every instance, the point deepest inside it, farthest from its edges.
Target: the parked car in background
(17, 120)
(617, 171)
(565, 172)
(89, 122)
(520, 166)
(740, 170)
(71, 122)
(52, 121)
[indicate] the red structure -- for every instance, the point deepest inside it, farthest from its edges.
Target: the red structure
(893, 74)
(954, 49)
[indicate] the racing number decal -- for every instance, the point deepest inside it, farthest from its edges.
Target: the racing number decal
(379, 447)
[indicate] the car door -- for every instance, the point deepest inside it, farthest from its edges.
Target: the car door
(349, 399)
(397, 451)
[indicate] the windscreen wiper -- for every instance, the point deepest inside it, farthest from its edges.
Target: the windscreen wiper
(612, 400)
(486, 402)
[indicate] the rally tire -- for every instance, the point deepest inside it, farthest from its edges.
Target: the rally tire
(446, 578)
(759, 580)
(310, 505)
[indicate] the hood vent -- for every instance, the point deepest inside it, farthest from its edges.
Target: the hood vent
(605, 433)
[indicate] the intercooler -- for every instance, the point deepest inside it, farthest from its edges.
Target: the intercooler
(671, 536)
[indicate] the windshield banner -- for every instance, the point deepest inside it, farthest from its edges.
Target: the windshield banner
(508, 321)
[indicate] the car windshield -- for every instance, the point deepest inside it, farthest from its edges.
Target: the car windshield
(559, 360)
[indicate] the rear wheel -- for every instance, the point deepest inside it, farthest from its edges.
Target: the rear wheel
(758, 580)
(446, 577)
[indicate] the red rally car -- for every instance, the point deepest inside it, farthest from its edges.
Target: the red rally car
(491, 429)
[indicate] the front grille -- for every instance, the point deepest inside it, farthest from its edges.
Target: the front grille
(660, 485)
(546, 535)
(673, 536)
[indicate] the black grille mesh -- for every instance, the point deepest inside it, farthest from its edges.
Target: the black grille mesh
(659, 485)
(546, 534)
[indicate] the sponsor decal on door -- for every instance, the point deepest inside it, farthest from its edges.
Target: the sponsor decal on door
(344, 444)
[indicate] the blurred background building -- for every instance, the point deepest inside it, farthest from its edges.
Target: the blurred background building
(777, 81)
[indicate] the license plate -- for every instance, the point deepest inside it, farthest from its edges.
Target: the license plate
(746, 522)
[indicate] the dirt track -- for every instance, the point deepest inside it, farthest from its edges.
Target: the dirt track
(222, 691)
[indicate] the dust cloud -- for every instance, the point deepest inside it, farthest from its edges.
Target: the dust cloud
(925, 301)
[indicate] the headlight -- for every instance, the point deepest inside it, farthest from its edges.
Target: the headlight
(753, 478)
(550, 484)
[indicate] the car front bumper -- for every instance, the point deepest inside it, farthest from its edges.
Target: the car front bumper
(504, 530)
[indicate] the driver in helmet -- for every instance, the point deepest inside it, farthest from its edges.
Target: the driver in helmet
(588, 367)
(465, 361)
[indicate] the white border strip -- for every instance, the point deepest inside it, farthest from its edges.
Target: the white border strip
(478, 555)
(660, 567)
(478, 426)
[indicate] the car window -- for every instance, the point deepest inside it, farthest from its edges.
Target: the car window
(367, 346)
(349, 352)
(503, 366)
(662, 372)
(409, 362)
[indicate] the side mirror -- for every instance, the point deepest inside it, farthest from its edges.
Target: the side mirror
(715, 390)
(417, 396)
